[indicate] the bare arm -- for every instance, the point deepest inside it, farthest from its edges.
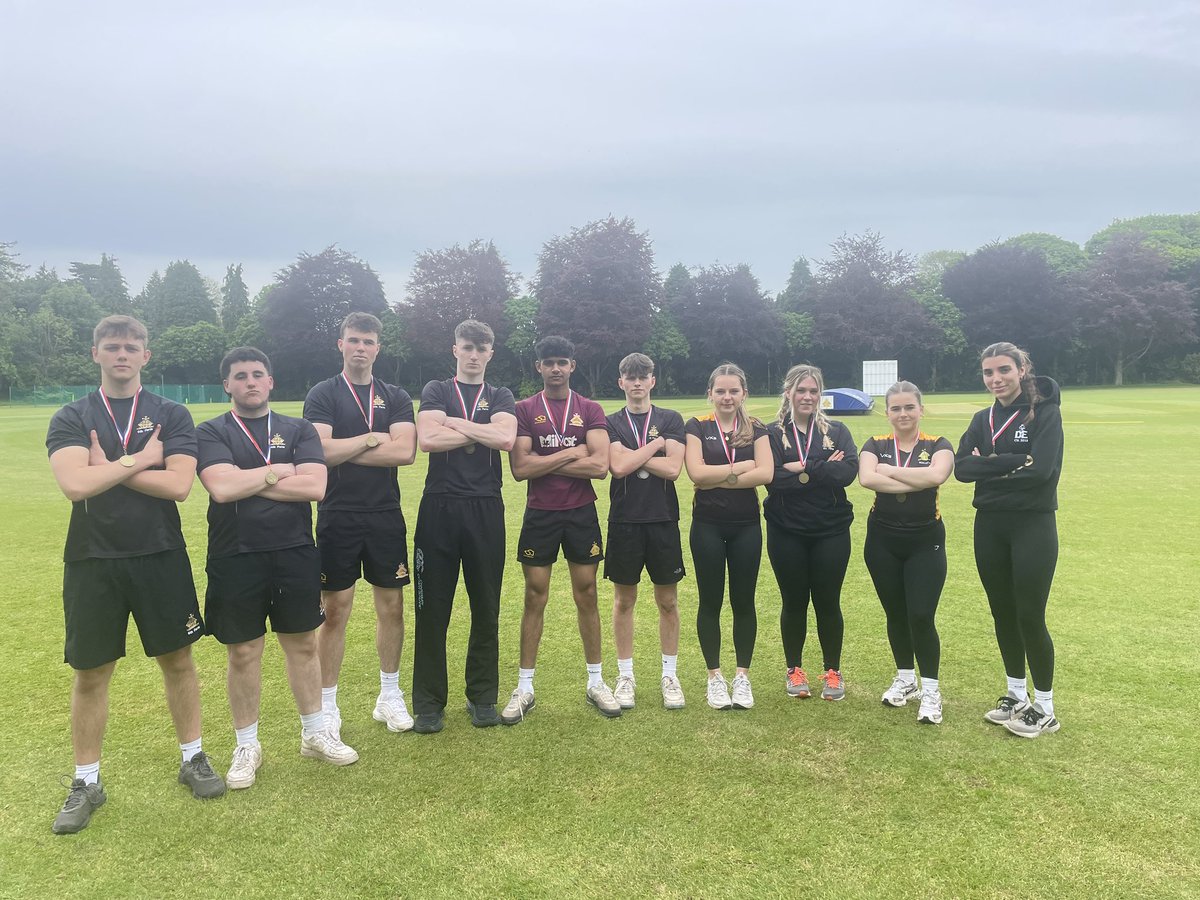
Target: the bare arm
(526, 464)
(226, 483)
(438, 432)
(704, 476)
(933, 475)
(623, 461)
(82, 474)
(307, 484)
(399, 448)
(763, 469)
(872, 479)
(594, 465)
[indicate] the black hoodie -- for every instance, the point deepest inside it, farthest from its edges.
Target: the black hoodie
(1020, 472)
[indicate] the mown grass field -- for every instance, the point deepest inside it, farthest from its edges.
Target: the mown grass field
(793, 798)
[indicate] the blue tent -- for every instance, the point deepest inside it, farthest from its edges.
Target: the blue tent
(846, 402)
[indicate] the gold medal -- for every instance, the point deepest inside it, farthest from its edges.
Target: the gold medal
(470, 448)
(372, 440)
(127, 461)
(804, 478)
(731, 478)
(643, 474)
(271, 477)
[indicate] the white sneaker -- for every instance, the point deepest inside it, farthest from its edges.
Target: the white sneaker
(624, 691)
(1007, 707)
(246, 760)
(743, 698)
(601, 696)
(327, 746)
(718, 693)
(391, 711)
(520, 704)
(901, 691)
(1032, 722)
(333, 719)
(930, 712)
(672, 692)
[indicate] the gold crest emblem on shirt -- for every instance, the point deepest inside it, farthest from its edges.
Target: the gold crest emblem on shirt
(527, 553)
(923, 456)
(401, 571)
(192, 623)
(827, 443)
(577, 420)
(277, 440)
(144, 424)
(539, 420)
(595, 551)
(378, 402)
(483, 404)
(653, 431)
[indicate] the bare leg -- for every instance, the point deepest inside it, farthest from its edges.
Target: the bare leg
(331, 636)
(583, 587)
(89, 711)
(624, 597)
(243, 682)
(303, 669)
(183, 692)
(667, 598)
(389, 627)
(537, 593)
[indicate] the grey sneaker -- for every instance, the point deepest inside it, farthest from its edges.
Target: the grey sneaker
(930, 712)
(601, 696)
(1007, 707)
(197, 773)
(740, 693)
(518, 706)
(900, 692)
(244, 768)
(1032, 723)
(82, 801)
(672, 692)
(327, 746)
(835, 685)
(718, 693)
(624, 691)
(797, 683)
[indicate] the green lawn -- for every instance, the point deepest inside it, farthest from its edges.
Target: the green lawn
(797, 798)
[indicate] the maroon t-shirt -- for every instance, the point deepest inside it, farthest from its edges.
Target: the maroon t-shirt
(556, 491)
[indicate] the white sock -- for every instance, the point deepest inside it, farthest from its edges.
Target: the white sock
(1044, 700)
(247, 735)
(625, 667)
(389, 684)
(908, 675)
(190, 749)
(88, 774)
(669, 665)
(1016, 687)
(312, 722)
(594, 676)
(525, 681)
(329, 699)
(929, 685)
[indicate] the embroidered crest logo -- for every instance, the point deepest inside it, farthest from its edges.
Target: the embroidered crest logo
(923, 456)
(144, 424)
(539, 420)
(577, 420)
(192, 624)
(378, 403)
(653, 431)
(595, 551)
(827, 443)
(527, 553)
(483, 404)
(278, 441)
(401, 571)
(1021, 434)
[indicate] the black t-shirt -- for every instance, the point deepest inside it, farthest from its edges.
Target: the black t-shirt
(918, 508)
(122, 522)
(734, 506)
(457, 472)
(652, 499)
(351, 486)
(255, 523)
(816, 506)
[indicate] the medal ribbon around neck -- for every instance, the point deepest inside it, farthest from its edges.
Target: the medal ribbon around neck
(369, 418)
(896, 445)
(125, 435)
(992, 425)
(730, 450)
(470, 417)
(642, 437)
(802, 452)
(246, 431)
(561, 435)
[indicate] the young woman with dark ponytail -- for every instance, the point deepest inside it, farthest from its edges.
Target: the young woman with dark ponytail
(1013, 452)
(905, 550)
(808, 525)
(727, 456)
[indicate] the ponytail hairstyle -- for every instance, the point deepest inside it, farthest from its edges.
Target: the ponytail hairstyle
(904, 387)
(795, 375)
(743, 425)
(1022, 361)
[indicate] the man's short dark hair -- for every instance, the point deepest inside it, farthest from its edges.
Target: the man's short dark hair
(120, 326)
(361, 322)
(474, 331)
(636, 365)
(243, 354)
(554, 347)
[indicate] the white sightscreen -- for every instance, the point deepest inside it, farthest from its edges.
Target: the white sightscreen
(878, 376)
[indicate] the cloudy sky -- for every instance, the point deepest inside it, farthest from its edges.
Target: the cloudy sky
(733, 132)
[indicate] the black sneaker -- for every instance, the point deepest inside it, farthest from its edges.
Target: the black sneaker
(76, 812)
(483, 715)
(428, 723)
(197, 773)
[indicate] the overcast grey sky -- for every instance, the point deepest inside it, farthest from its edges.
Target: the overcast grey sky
(732, 132)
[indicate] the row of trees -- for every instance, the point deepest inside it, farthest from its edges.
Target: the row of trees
(1123, 305)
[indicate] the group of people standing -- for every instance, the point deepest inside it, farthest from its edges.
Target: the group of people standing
(126, 457)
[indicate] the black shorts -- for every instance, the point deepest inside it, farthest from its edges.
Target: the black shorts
(577, 531)
(246, 590)
(371, 544)
(99, 595)
(654, 546)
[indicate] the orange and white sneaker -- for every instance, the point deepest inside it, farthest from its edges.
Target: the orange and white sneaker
(835, 685)
(797, 683)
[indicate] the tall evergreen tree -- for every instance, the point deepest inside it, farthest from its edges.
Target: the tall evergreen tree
(235, 299)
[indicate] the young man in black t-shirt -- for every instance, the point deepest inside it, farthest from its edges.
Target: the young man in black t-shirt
(125, 457)
(367, 430)
(645, 458)
(262, 471)
(464, 424)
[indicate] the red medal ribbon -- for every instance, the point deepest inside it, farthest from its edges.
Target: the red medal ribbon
(730, 450)
(644, 437)
(1003, 428)
(561, 435)
(246, 431)
(896, 444)
(369, 418)
(125, 435)
(470, 417)
(802, 454)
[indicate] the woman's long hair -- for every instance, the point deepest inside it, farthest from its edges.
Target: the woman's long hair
(743, 425)
(1022, 361)
(795, 375)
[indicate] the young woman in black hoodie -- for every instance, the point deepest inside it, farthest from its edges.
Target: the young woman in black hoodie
(1013, 452)
(808, 525)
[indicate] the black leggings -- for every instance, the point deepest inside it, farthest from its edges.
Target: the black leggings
(1016, 553)
(810, 567)
(909, 570)
(714, 546)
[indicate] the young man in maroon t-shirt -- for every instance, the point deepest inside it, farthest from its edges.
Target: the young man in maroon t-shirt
(562, 445)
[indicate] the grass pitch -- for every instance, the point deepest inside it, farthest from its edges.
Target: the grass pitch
(795, 798)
